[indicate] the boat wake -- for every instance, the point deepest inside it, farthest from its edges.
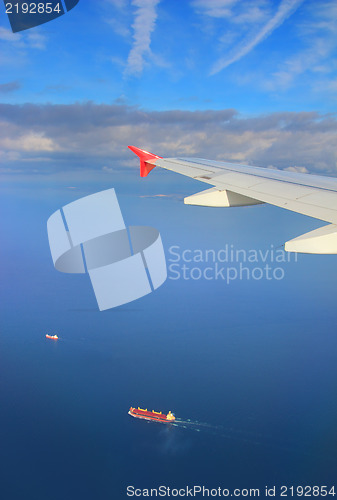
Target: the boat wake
(243, 436)
(195, 424)
(228, 433)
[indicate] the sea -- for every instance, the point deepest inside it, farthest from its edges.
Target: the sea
(248, 367)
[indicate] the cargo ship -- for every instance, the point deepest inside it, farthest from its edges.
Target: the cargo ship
(51, 336)
(151, 415)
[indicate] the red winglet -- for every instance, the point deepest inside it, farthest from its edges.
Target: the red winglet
(145, 165)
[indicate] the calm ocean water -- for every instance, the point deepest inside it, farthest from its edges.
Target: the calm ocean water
(255, 365)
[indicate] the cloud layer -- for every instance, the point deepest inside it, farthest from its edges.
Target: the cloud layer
(49, 137)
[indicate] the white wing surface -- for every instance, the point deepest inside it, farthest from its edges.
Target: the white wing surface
(241, 185)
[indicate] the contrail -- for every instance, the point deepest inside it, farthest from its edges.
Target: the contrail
(144, 24)
(286, 8)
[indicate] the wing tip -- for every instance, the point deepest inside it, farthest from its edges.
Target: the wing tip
(147, 162)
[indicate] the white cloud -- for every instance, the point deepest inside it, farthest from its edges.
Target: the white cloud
(308, 59)
(237, 12)
(160, 196)
(318, 34)
(118, 27)
(285, 9)
(143, 26)
(16, 48)
(27, 40)
(215, 8)
(7, 36)
(116, 13)
(301, 170)
(36, 40)
(28, 142)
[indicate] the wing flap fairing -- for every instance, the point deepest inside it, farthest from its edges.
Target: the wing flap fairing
(214, 198)
(320, 241)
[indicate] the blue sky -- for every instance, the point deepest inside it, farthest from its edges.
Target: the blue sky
(258, 56)
(248, 81)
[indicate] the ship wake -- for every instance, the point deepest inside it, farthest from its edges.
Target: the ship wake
(229, 433)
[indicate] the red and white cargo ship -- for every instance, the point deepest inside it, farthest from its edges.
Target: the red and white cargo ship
(151, 415)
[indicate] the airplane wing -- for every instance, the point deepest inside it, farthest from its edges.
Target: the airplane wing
(242, 185)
